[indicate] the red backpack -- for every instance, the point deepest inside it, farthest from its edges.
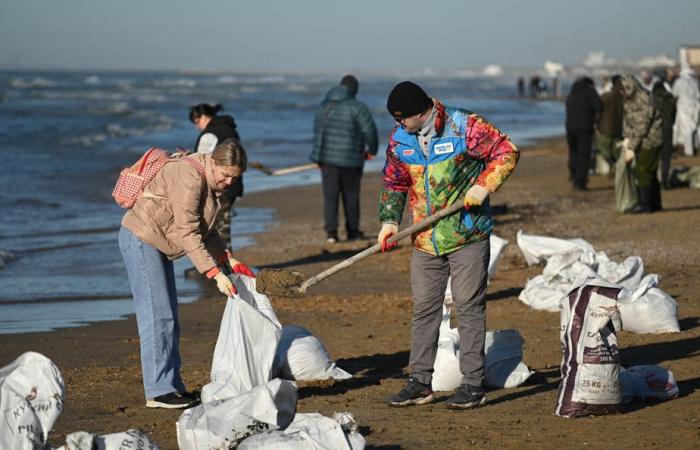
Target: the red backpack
(133, 180)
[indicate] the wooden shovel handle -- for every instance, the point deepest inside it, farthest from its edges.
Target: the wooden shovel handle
(456, 206)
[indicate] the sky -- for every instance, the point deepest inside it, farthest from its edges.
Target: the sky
(326, 35)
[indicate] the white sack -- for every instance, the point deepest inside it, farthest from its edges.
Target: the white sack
(647, 383)
(130, 439)
(502, 363)
(32, 392)
(245, 348)
(627, 274)
(308, 431)
(537, 249)
(541, 295)
(590, 365)
(648, 309)
(496, 244)
(301, 356)
(224, 423)
(446, 373)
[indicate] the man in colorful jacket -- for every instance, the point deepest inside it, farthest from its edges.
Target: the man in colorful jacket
(436, 156)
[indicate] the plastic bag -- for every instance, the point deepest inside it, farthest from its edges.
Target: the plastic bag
(626, 196)
(307, 431)
(647, 383)
(537, 249)
(130, 439)
(301, 356)
(245, 348)
(590, 369)
(648, 309)
(502, 361)
(32, 392)
(225, 423)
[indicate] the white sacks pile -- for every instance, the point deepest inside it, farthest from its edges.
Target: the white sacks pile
(503, 360)
(644, 308)
(246, 404)
(32, 392)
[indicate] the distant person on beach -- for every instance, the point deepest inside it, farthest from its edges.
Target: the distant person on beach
(610, 122)
(439, 155)
(667, 104)
(582, 107)
(215, 129)
(686, 129)
(521, 86)
(642, 130)
(175, 217)
(345, 135)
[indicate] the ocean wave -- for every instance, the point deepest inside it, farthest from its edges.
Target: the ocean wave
(175, 82)
(295, 87)
(92, 79)
(32, 83)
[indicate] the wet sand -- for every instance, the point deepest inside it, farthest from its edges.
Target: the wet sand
(362, 315)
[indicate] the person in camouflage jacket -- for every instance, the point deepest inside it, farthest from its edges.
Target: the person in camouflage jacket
(642, 129)
(439, 155)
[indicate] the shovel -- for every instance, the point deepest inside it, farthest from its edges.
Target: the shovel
(285, 171)
(289, 283)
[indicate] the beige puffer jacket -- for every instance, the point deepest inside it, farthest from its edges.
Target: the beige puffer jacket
(177, 212)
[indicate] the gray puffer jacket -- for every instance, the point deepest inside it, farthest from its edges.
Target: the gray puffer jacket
(343, 130)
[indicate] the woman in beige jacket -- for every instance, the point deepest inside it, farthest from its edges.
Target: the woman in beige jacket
(175, 217)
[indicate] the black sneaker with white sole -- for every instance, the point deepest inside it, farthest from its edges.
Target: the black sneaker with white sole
(414, 393)
(173, 400)
(466, 397)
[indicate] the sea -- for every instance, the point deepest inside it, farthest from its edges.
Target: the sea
(64, 137)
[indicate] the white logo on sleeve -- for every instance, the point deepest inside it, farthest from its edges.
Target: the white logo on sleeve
(443, 149)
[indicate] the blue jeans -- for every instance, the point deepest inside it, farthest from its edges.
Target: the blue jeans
(152, 281)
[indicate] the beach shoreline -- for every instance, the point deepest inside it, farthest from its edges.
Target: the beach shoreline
(362, 315)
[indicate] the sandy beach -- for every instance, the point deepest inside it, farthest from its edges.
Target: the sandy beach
(363, 313)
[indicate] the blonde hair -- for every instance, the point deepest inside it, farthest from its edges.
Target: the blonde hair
(230, 153)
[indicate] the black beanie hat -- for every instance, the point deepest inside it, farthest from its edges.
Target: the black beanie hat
(351, 83)
(407, 99)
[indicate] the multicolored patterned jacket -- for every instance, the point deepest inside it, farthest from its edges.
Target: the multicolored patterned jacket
(466, 150)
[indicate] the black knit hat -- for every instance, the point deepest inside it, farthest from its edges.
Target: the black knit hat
(407, 99)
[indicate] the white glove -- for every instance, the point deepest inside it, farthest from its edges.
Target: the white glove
(628, 155)
(388, 230)
(475, 196)
(224, 284)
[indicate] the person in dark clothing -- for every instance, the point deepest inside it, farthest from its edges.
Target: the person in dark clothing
(215, 129)
(582, 106)
(610, 122)
(667, 106)
(344, 136)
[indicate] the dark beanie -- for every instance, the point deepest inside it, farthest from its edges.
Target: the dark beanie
(407, 99)
(351, 83)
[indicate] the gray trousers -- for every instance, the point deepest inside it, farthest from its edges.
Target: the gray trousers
(468, 267)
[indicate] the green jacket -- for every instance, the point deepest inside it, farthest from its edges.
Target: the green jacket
(343, 130)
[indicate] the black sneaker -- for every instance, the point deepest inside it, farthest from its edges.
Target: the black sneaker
(173, 400)
(466, 397)
(332, 238)
(414, 393)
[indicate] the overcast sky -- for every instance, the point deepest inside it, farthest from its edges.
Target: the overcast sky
(331, 35)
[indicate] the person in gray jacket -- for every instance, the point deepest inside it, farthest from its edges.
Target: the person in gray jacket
(345, 135)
